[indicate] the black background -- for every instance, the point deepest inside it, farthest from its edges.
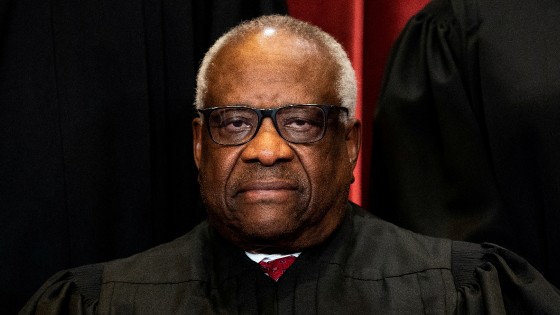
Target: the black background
(95, 129)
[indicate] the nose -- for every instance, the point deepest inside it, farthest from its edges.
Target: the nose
(267, 147)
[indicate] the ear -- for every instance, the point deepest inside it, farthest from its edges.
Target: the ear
(353, 140)
(197, 140)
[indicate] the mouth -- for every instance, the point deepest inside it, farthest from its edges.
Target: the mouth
(266, 188)
(267, 185)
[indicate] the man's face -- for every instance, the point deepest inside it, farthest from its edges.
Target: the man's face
(269, 195)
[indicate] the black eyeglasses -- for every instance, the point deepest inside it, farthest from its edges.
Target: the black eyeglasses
(236, 125)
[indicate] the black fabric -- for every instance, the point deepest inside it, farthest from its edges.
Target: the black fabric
(465, 258)
(95, 129)
(87, 281)
(367, 266)
(466, 139)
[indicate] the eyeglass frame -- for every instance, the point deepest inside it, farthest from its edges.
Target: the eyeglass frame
(263, 113)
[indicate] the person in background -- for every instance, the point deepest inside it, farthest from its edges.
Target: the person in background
(466, 139)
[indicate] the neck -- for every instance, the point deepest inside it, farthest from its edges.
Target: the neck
(307, 237)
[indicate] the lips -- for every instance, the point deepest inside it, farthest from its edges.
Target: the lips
(269, 185)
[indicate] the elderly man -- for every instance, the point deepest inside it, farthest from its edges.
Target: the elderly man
(276, 145)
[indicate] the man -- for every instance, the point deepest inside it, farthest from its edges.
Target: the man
(275, 146)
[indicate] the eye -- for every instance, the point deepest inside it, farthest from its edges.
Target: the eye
(233, 120)
(301, 124)
(236, 124)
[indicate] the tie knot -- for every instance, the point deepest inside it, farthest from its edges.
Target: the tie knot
(275, 268)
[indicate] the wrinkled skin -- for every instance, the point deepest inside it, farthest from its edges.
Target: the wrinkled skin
(269, 195)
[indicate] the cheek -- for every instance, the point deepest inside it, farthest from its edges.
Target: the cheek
(328, 170)
(215, 168)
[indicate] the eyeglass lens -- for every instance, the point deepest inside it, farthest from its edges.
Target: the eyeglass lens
(299, 124)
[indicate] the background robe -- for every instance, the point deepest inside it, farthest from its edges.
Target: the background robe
(467, 135)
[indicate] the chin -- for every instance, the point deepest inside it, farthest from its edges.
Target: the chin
(267, 219)
(267, 230)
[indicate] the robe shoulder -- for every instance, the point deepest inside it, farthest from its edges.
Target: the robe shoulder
(182, 260)
(73, 291)
(494, 280)
(403, 252)
(79, 290)
(486, 278)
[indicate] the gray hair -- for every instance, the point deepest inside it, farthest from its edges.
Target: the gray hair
(346, 85)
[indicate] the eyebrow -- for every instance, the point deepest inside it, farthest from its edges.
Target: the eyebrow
(281, 105)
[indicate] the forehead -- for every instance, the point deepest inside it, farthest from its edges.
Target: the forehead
(271, 70)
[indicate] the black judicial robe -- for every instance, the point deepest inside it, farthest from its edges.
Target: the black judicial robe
(466, 138)
(367, 266)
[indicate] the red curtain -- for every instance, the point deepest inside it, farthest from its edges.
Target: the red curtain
(366, 29)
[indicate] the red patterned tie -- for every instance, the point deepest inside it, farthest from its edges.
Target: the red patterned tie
(275, 268)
